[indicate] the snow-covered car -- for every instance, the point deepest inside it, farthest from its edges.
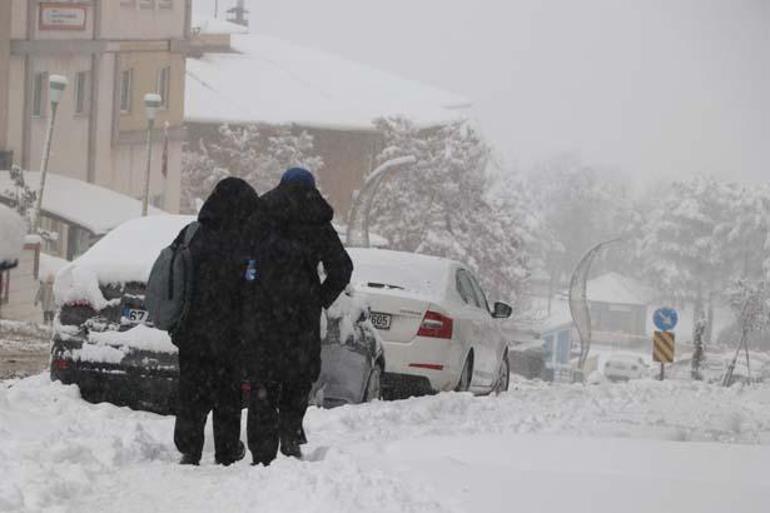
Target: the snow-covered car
(624, 367)
(439, 331)
(105, 343)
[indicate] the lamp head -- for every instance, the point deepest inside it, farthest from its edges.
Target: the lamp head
(56, 86)
(152, 101)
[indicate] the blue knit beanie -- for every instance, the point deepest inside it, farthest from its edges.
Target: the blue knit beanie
(298, 175)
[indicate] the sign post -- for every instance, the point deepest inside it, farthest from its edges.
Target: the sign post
(663, 341)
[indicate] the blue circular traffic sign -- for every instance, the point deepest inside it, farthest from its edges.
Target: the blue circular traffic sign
(665, 318)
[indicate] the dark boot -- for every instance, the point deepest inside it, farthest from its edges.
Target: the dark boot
(238, 456)
(190, 459)
(290, 446)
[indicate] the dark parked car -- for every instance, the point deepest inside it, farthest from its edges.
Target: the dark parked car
(104, 341)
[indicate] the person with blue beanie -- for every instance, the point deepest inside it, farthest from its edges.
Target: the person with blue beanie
(290, 236)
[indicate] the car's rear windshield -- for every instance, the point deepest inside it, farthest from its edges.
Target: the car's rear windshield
(390, 270)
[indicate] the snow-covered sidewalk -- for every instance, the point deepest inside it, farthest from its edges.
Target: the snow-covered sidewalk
(644, 446)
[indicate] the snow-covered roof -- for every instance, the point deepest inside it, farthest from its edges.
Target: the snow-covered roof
(619, 289)
(12, 232)
(269, 80)
(125, 254)
(95, 208)
(210, 25)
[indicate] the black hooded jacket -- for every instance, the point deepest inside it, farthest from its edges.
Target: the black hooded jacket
(209, 328)
(283, 307)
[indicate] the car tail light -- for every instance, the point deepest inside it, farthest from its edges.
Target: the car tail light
(79, 302)
(435, 325)
(60, 364)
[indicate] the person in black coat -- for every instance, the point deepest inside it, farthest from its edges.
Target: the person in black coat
(290, 234)
(209, 369)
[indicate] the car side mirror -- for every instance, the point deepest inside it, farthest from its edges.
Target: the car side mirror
(501, 310)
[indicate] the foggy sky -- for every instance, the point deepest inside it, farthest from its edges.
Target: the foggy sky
(655, 88)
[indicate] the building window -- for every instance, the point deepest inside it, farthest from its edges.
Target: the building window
(147, 4)
(165, 4)
(81, 92)
(128, 3)
(162, 87)
(126, 86)
(39, 94)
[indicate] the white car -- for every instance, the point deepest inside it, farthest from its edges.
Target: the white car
(624, 367)
(438, 331)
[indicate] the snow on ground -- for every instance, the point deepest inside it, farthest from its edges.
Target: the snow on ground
(644, 446)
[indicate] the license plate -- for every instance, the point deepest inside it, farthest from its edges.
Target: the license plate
(380, 321)
(134, 315)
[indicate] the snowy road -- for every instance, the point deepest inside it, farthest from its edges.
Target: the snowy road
(645, 446)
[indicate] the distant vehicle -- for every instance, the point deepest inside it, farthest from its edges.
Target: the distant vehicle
(624, 367)
(104, 341)
(438, 329)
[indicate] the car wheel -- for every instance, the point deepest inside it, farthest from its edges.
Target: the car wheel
(466, 375)
(503, 375)
(373, 388)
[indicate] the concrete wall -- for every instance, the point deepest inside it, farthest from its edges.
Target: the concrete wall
(22, 287)
(123, 19)
(69, 148)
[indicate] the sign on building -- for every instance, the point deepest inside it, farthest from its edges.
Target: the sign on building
(59, 16)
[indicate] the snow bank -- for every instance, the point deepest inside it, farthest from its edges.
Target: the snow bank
(125, 254)
(640, 447)
(50, 265)
(422, 274)
(12, 232)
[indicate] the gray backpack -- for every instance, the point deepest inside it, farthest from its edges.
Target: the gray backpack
(170, 286)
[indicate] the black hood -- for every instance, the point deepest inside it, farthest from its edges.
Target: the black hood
(296, 203)
(230, 203)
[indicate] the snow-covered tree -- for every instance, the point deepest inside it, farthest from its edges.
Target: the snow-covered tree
(258, 154)
(441, 205)
(23, 197)
(580, 206)
(702, 235)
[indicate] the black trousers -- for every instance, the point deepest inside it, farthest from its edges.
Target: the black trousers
(275, 410)
(206, 384)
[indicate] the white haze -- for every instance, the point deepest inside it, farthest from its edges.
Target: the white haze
(656, 88)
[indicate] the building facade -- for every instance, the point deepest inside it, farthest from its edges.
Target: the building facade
(112, 52)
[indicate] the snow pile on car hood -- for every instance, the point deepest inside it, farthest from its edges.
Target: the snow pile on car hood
(12, 233)
(124, 255)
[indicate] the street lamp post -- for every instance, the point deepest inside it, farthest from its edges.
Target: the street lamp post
(56, 86)
(358, 223)
(151, 103)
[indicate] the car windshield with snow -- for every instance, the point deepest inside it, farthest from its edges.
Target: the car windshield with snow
(104, 340)
(437, 326)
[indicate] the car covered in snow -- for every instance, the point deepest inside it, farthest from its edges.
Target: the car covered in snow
(625, 367)
(104, 340)
(439, 331)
